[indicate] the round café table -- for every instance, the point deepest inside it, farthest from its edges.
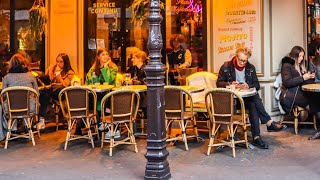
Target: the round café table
(247, 92)
(101, 88)
(138, 88)
(312, 92)
(311, 87)
(192, 89)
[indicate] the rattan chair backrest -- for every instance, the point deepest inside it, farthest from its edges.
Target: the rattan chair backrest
(123, 105)
(16, 101)
(76, 103)
(175, 102)
(220, 104)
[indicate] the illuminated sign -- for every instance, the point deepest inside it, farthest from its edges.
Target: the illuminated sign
(104, 8)
(187, 6)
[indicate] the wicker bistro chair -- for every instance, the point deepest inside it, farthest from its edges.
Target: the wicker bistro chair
(16, 105)
(296, 110)
(175, 112)
(76, 107)
(123, 111)
(208, 81)
(220, 106)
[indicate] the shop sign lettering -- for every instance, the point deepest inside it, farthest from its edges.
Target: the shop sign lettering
(104, 8)
(187, 6)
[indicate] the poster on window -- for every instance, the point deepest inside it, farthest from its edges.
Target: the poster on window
(237, 24)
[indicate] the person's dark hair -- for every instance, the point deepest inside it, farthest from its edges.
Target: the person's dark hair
(316, 60)
(295, 51)
(18, 64)
(66, 63)
(97, 64)
(178, 37)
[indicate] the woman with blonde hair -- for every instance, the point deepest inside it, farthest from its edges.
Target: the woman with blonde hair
(139, 61)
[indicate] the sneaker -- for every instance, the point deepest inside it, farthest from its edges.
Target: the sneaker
(41, 123)
(259, 143)
(116, 135)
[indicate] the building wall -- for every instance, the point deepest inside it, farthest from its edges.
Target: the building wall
(283, 26)
(65, 32)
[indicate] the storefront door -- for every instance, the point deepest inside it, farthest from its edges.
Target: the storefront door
(112, 25)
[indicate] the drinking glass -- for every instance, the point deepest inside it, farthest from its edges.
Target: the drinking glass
(127, 78)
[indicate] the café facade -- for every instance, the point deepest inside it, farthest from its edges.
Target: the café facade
(213, 29)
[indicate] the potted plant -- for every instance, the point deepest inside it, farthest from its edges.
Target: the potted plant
(140, 10)
(38, 19)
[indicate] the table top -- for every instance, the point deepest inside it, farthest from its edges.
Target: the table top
(247, 93)
(100, 88)
(192, 89)
(138, 88)
(311, 87)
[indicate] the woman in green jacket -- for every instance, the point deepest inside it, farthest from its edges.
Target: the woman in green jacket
(103, 70)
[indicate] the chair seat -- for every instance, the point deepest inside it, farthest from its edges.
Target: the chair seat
(187, 115)
(197, 107)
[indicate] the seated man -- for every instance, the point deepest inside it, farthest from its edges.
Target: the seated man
(242, 74)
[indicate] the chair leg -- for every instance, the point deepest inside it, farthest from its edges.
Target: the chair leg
(68, 134)
(111, 139)
(281, 119)
(10, 124)
(296, 121)
(246, 138)
(184, 136)
(195, 129)
(315, 121)
(28, 124)
(56, 112)
(38, 129)
(88, 125)
(133, 140)
(211, 135)
(232, 140)
(102, 138)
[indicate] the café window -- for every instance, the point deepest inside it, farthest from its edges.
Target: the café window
(15, 33)
(186, 17)
(116, 26)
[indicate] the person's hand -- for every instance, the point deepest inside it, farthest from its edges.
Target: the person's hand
(235, 83)
(308, 76)
(243, 86)
(107, 63)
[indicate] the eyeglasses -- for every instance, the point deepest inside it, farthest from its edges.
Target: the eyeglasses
(242, 60)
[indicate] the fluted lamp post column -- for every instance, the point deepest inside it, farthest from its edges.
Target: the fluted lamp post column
(157, 165)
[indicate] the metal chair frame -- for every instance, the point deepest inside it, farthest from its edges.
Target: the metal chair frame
(23, 113)
(112, 125)
(182, 117)
(233, 121)
(87, 118)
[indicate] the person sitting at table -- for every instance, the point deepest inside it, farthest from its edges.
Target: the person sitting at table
(242, 74)
(178, 57)
(19, 75)
(137, 73)
(294, 74)
(314, 65)
(102, 71)
(60, 75)
(103, 68)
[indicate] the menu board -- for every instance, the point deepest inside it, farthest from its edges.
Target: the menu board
(237, 24)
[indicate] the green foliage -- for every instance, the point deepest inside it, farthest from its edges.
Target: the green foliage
(140, 10)
(38, 19)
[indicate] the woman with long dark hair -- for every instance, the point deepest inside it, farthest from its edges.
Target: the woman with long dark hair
(103, 70)
(60, 75)
(294, 74)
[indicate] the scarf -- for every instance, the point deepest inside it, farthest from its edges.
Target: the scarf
(234, 60)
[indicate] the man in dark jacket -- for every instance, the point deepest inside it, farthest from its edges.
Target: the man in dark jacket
(242, 74)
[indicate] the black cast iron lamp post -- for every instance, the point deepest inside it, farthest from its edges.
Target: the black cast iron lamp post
(157, 165)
